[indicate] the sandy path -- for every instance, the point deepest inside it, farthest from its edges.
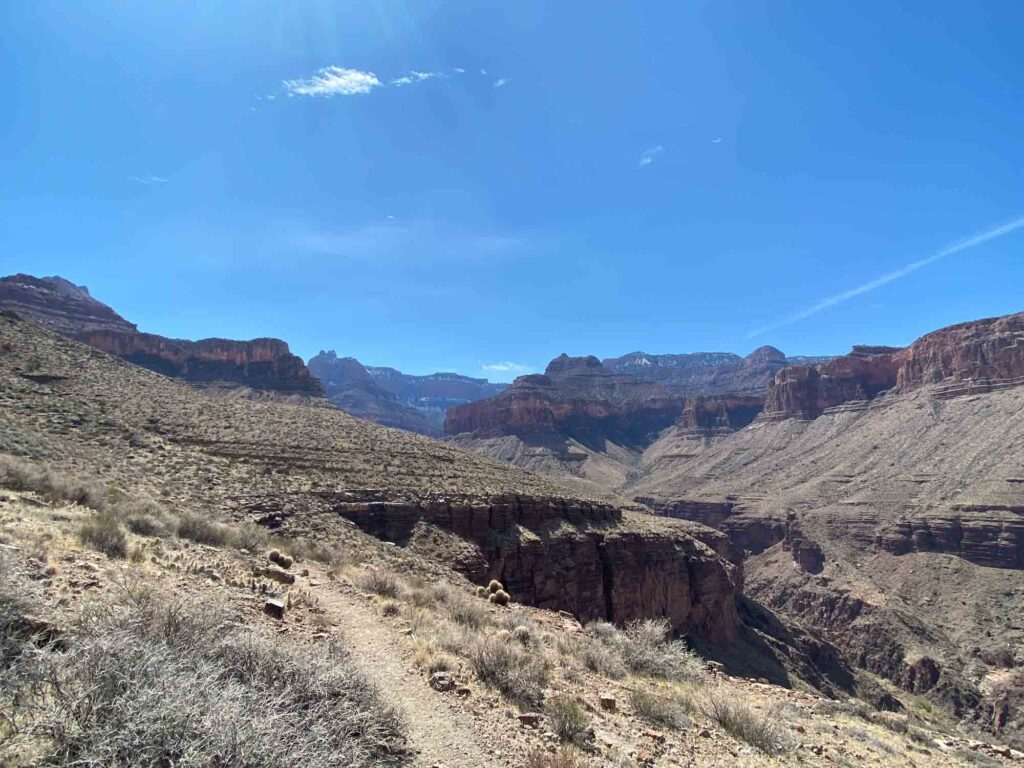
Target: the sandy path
(442, 729)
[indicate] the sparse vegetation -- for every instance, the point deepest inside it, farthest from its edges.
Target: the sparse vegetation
(520, 676)
(104, 533)
(380, 582)
(562, 758)
(658, 709)
(470, 614)
(569, 720)
(744, 724)
(150, 683)
(53, 485)
(202, 530)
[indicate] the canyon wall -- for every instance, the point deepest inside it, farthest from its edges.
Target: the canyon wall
(589, 559)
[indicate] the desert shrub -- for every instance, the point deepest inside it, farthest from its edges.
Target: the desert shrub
(390, 608)
(430, 658)
(149, 683)
(202, 530)
(744, 724)
(521, 635)
(53, 485)
(519, 675)
(380, 582)
(249, 536)
(145, 517)
(646, 650)
(104, 533)
(422, 595)
(598, 657)
(657, 709)
(568, 718)
(563, 758)
(467, 612)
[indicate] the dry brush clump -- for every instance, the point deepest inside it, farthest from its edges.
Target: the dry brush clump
(104, 533)
(518, 674)
(380, 582)
(145, 682)
(743, 723)
(53, 485)
(565, 757)
(642, 648)
(664, 710)
(568, 718)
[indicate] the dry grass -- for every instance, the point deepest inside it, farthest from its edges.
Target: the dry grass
(519, 675)
(563, 758)
(662, 710)
(105, 534)
(744, 724)
(569, 720)
(380, 582)
(148, 683)
(53, 485)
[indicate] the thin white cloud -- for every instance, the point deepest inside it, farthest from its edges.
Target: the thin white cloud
(717, 141)
(460, 70)
(334, 81)
(896, 274)
(501, 82)
(506, 367)
(649, 154)
(483, 71)
(149, 179)
(415, 77)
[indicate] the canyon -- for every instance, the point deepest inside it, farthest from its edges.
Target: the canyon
(395, 399)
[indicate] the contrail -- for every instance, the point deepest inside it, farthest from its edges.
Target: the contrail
(878, 282)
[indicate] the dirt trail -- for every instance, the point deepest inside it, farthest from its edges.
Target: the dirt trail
(441, 728)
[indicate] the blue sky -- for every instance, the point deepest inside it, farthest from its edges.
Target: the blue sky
(459, 185)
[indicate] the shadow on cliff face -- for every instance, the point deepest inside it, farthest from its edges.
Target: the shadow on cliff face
(779, 653)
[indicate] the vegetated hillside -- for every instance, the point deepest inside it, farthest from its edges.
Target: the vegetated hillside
(264, 365)
(881, 498)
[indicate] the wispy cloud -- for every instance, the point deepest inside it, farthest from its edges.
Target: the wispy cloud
(717, 140)
(460, 70)
(334, 81)
(149, 179)
(501, 82)
(649, 154)
(896, 274)
(415, 77)
(506, 367)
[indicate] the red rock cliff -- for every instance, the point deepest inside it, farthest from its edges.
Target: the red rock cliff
(576, 397)
(970, 356)
(588, 559)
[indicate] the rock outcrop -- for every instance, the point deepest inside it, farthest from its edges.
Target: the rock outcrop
(59, 305)
(435, 392)
(576, 397)
(715, 415)
(970, 357)
(260, 364)
(805, 391)
(709, 373)
(587, 559)
(263, 364)
(351, 387)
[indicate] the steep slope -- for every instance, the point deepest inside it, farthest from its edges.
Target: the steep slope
(352, 388)
(259, 364)
(314, 471)
(880, 497)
